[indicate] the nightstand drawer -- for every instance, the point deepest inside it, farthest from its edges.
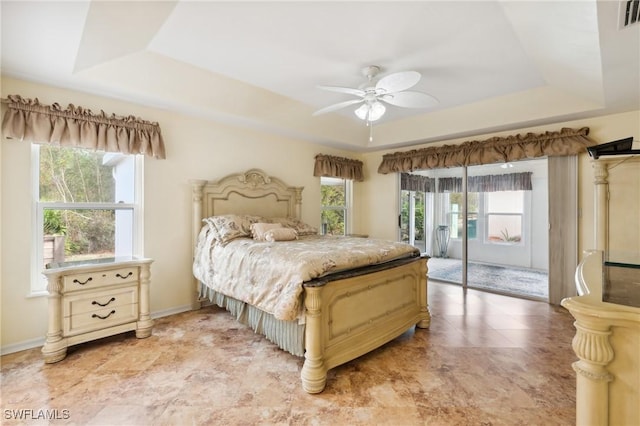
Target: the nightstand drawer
(99, 278)
(95, 301)
(100, 319)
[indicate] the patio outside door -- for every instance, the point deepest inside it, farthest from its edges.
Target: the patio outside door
(502, 246)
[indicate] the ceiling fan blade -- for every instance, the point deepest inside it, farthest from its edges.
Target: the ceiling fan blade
(338, 106)
(410, 99)
(398, 82)
(350, 91)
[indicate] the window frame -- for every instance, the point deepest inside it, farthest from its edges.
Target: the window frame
(346, 209)
(38, 284)
(449, 214)
(521, 215)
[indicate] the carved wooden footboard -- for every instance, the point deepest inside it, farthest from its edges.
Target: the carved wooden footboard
(353, 314)
(347, 314)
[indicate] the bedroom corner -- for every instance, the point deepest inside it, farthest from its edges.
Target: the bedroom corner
(195, 148)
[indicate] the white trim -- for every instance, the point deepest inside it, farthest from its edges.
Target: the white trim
(138, 210)
(22, 346)
(171, 311)
(38, 293)
(38, 283)
(85, 206)
(349, 205)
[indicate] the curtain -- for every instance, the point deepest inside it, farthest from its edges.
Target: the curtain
(450, 184)
(563, 227)
(488, 183)
(409, 182)
(495, 150)
(28, 119)
(506, 182)
(339, 167)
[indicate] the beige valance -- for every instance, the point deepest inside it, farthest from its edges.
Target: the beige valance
(345, 168)
(495, 150)
(29, 120)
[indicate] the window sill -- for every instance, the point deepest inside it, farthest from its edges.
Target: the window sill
(37, 293)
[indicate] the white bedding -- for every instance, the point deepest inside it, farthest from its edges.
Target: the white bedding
(269, 275)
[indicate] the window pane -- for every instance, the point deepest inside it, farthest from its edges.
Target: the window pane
(419, 216)
(333, 222)
(75, 175)
(333, 192)
(505, 228)
(454, 214)
(472, 226)
(456, 223)
(83, 234)
(405, 198)
(505, 201)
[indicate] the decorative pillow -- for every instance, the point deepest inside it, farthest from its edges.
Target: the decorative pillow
(211, 228)
(300, 227)
(280, 234)
(231, 226)
(258, 229)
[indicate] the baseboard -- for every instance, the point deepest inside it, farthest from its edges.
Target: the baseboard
(35, 343)
(170, 311)
(22, 346)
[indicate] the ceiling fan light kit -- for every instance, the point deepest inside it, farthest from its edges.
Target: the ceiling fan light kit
(390, 89)
(371, 111)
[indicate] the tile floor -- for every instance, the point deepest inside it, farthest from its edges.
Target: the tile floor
(486, 360)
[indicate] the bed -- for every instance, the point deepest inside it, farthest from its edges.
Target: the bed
(342, 315)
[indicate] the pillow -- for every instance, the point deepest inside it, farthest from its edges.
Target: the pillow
(280, 234)
(211, 228)
(294, 223)
(258, 229)
(231, 226)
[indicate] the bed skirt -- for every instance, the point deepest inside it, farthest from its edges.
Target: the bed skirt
(288, 335)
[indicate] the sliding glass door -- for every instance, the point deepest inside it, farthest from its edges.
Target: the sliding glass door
(510, 253)
(431, 219)
(488, 225)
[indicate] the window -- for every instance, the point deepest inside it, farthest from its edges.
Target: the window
(412, 220)
(504, 216)
(336, 199)
(86, 206)
(454, 214)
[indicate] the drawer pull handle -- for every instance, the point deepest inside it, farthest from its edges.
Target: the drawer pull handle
(82, 283)
(104, 317)
(124, 276)
(113, 299)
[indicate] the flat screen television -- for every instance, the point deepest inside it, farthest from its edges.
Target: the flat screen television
(619, 147)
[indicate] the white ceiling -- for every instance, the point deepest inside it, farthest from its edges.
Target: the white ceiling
(492, 65)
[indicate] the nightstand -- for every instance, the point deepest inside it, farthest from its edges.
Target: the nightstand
(94, 299)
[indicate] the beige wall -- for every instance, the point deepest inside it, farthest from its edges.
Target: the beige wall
(196, 149)
(202, 149)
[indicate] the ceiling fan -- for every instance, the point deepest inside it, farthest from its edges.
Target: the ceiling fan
(390, 89)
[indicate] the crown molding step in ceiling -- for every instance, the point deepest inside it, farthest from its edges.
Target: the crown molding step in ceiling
(432, 70)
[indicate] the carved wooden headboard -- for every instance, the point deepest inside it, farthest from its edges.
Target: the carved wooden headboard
(252, 192)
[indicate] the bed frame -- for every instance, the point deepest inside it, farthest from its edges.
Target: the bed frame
(346, 314)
